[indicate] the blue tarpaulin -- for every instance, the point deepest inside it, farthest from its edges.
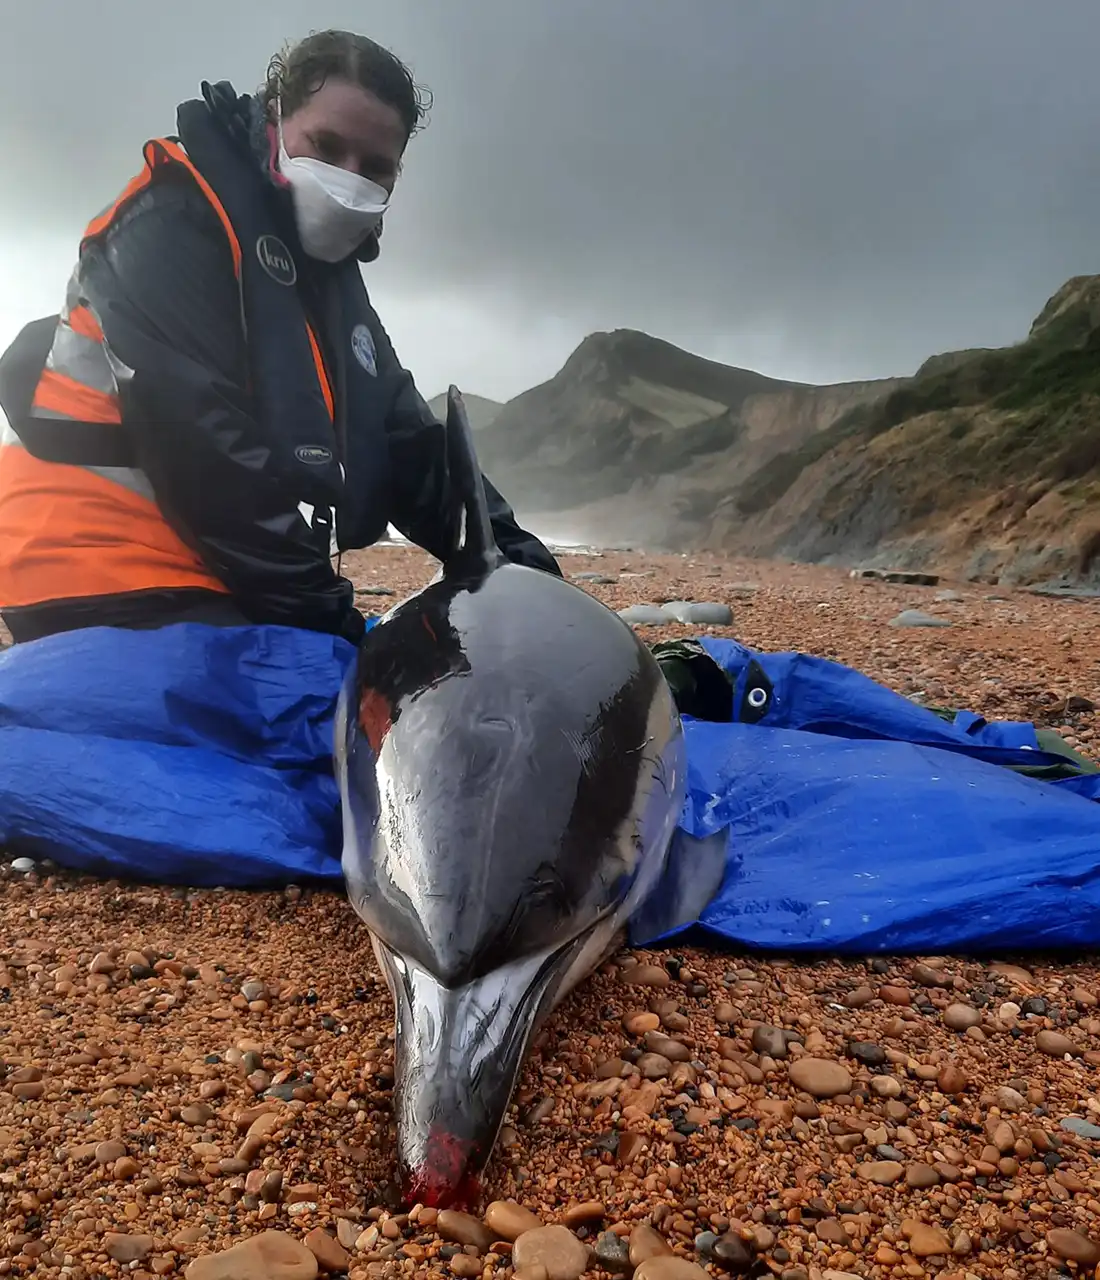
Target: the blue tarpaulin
(856, 820)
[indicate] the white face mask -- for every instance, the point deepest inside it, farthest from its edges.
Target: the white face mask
(335, 210)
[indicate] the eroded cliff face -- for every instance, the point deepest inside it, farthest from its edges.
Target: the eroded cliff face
(986, 463)
(637, 441)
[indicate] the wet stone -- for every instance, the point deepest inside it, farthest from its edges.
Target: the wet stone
(556, 1248)
(464, 1228)
(820, 1077)
(508, 1220)
(272, 1255)
(653, 1066)
(1055, 1044)
(958, 1017)
(770, 1041)
(126, 1248)
(646, 1242)
(670, 1268)
(871, 1055)
(731, 1252)
(1073, 1246)
(644, 615)
(927, 1241)
(707, 613)
(330, 1253)
(1081, 1127)
(917, 618)
(612, 1252)
(646, 975)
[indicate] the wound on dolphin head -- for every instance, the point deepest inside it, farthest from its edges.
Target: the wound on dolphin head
(511, 769)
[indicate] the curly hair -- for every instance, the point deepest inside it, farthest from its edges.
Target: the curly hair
(296, 73)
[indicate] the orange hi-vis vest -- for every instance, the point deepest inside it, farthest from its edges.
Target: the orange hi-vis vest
(77, 518)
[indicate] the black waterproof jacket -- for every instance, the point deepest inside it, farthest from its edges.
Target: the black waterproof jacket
(162, 284)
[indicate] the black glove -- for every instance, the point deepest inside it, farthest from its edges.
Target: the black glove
(353, 627)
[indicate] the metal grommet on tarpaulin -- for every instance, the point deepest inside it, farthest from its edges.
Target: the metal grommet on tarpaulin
(756, 700)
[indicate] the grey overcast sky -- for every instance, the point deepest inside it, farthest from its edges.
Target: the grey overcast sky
(819, 189)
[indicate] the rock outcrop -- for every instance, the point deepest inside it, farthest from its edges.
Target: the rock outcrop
(636, 440)
(985, 463)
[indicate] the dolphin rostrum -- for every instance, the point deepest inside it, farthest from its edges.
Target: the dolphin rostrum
(512, 771)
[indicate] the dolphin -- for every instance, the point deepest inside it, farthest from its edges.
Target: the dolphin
(512, 771)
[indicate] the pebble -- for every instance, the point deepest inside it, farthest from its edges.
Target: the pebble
(900, 996)
(329, 1252)
(917, 618)
(669, 1268)
(271, 1255)
(820, 1077)
(23, 865)
(770, 1041)
(645, 1243)
(1081, 1127)
(921, 1176)
(126, 1248)
(1056, 1044)
(1073, 1246)
(464, 1228)
(926, 1241)
(585, 1212)
(653, 1066)
(556, 1248)
(871, 1055)
(347, 1232)
(883, 1172)
(508, 1220)
(704, 614)
(958, 1017)
(647, 975)
(644, 615)
(197, 1114)
(951, 1079)
(1010, 1099)
(673, 1050)
(612, 1252)
(730, 1250)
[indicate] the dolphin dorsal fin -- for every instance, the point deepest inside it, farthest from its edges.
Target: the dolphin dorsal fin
(477, 543)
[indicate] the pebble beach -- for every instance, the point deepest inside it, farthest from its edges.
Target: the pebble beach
(199, 1082)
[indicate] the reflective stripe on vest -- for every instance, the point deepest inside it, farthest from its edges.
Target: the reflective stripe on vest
(72, 531)
(79, 382)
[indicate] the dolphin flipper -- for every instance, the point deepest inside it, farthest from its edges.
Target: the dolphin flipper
(693, 875)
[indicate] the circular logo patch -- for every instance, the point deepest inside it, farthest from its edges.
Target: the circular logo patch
(276, 260)
(314, 455)
(362, 346)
